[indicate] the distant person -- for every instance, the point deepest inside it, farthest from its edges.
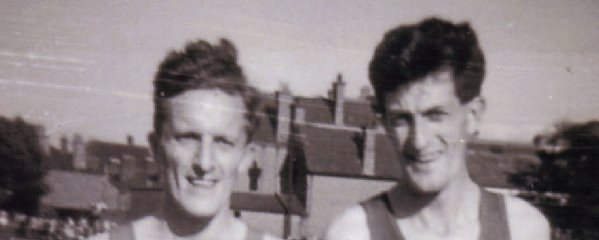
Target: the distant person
(203, 122)
(4, 219)
(427, 79)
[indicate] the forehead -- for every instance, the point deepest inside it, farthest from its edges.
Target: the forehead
(431, 90)
(205, 109)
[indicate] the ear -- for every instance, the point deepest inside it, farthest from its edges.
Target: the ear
(156, 148)
(476, 108)
(246, 160)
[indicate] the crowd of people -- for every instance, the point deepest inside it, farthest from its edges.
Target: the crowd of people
(21, 226)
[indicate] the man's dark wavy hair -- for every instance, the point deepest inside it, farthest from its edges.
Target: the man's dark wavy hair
(410, 52)
(203, 66)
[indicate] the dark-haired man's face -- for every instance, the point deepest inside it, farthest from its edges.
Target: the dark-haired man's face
(203, 147)
(429, 128)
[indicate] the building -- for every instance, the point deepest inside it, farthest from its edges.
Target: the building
(338, 155)
(78, 194)
(94, 178)
(313, 157)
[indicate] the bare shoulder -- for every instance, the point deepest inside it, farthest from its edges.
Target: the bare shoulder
(270, 237)
(525, 220)
(101, 236)
(142, 228)
(351, 224)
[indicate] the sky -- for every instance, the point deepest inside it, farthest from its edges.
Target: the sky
(86, 66)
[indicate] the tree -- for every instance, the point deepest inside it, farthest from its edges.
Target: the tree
(21, 169)
(570, 165)
(570, 162)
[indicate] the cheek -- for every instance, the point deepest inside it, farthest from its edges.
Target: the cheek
(176, 166)
(398, 135)
(178, 155)
(453, 130)
(175, 171)
(228, 160)
(229, 165)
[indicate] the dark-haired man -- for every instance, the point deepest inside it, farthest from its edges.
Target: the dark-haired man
(427, 79)
(203, 122)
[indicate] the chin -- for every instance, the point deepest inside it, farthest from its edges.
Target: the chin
(197, 206)
(425, 186)
(201, 209)
(421, 189)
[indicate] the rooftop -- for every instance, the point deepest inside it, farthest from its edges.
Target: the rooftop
(357, 113)
(77, 190)
(337, 152)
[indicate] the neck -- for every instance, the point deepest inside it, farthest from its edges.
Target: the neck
(453, 201)
(454, 204)
(182, 225)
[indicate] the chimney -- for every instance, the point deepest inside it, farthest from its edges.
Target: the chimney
(130, 140)
(79, 161)
(300, 116)
(284, 101)
(64, 144)
(339, 99)
(365, 93)
(43, 139)
(368, 157)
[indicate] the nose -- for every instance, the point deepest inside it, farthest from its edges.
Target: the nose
(205, 156)
(417, 137)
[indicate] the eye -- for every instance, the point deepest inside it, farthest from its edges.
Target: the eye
(435, 115)
(187, 138)
(399, 120)
(223, 140)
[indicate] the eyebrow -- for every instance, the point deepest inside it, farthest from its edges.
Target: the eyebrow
(435, 109)
(401, 112)
(391, 111)
(393, 115)
(192, 135)
(223, 138)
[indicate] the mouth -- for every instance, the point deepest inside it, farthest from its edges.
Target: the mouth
(201, 181)
(423, 158)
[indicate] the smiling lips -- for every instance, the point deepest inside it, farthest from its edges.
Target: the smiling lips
(423, 158)
(201, 181)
